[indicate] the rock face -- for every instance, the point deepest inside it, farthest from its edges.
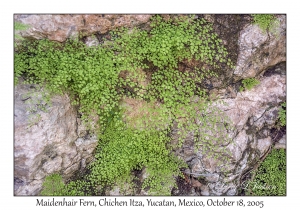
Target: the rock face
(61, 27)
(46, 140)
(55, 141)
(259, 50)
(253, 113)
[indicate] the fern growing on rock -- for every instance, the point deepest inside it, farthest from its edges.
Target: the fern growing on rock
(98, 79)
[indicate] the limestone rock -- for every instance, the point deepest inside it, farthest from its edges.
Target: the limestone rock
(253, 114)
(268, 94)
(196, 167)
(281, 144)
(259, 50)
(45, 139)
(61, 27)
(264, 144)
(204, 190)
(91, 41)
(213, 177)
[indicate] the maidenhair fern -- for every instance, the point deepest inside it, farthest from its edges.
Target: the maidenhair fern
(19, 27)
(249, 83)
(98, 79)
(282, 114)
(270, 177)
(122, 150)
(267, 22)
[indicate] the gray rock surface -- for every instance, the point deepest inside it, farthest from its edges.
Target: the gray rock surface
(61, 27)
(46, 141)
(253, 114)
(259, 50)
(281, 144)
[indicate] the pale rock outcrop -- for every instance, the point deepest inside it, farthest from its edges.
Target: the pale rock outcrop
(61, 27)
(259, 50)
(46, 141)
(252, 114)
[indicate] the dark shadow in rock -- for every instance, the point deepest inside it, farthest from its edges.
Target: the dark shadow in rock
(279, 69)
